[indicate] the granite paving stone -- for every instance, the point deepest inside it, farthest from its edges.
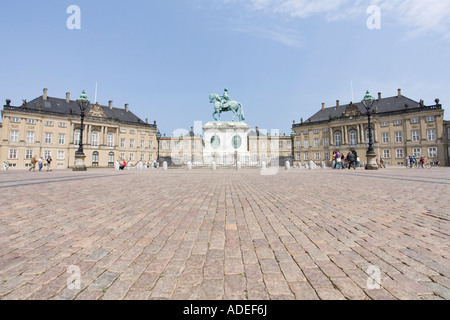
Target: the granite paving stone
(225, 234)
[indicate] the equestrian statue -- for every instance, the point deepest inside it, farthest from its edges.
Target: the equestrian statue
(223, 104)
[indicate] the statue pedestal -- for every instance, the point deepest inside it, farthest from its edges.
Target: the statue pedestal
(371, 162)
(226, 143)
(79, 165)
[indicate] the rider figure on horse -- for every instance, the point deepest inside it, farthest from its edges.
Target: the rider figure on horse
(225, 97)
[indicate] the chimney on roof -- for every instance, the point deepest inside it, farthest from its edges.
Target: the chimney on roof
(146, 120)
(323, 106)
(110, 104)
(379, 96)
(126, 107)
(337, 103)
(67, 97)
(399, 93)
(44, 96)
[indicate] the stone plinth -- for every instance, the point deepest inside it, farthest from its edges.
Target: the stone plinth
(226, 143)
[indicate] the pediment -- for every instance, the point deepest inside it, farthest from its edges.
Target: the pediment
(352, 110)
(96, 111)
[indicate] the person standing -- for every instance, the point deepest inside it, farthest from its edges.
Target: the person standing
(358, 161)
(338, 160)
(40, 163)
(49, 162)
(351, 160)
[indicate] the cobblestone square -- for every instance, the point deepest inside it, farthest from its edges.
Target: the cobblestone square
(225, 234)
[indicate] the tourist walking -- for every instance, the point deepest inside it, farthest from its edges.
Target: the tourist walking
(33, 164)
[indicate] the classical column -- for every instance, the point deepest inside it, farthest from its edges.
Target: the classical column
(331, 137)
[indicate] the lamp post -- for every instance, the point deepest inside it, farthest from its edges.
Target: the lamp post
(368, 102)
(83, 104)
(158, 137)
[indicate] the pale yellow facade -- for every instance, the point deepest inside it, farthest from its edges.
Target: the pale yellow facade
(105, 141)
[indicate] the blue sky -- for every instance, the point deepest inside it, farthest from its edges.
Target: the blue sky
(280, 58)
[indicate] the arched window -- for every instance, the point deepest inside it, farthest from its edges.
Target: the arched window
(353, 138)
(95, 159)
(338, 139)
(111, 159)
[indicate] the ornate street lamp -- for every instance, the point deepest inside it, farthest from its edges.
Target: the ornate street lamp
(83, 103)
(368, 103)
(158, 137)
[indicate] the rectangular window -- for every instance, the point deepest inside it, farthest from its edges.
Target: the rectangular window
(415, 120)
(385, 124)
(386, 154)
(29, 154)
(385, 137)
(417, 152)
(132, 131)
(14, 136)
(77, 137)
(30, 136)
(431, 134)
(298, 143)
(61, 155)
(122, 143)
(61, 138)
(142, 156)
(317, 156)
(15, 120)
(432, 152)
(49, 123)
(326, 142)
(142, 145)
(95, 139)
(48, 138)
(398, 137)
(131, 143)
(297, 156)
(62, 125)
(150, 144)
(122, 156)
(12, 154)
(397, 122)
(316, 131)
(110, 140)
(280, 144)
(430, 119)
(131, 157)
(306, 156)
(288, 145)
(31, 121)
(326, 156)
(415, 135)
(316, 143)
(306, 143)
(399, 153)
(47, 154)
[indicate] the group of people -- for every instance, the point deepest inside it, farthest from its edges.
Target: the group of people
(413, 161)
(40, 162)
(341, 161)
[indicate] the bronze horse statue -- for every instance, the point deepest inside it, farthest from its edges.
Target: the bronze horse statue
(221, 106)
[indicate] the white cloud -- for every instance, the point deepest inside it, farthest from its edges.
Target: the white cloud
(416, 17)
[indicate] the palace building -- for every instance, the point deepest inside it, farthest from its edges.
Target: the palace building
(48, 126)
(401, 127)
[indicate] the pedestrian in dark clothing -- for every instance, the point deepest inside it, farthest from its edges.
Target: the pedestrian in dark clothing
(351, 159)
